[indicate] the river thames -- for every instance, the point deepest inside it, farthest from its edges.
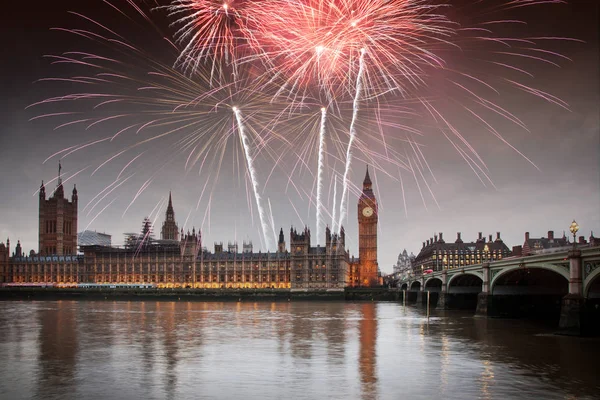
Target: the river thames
(303, 350)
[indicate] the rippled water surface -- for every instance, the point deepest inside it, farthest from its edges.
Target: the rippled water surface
(162, 350)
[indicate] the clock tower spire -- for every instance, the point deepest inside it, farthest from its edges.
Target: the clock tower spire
(367, 234)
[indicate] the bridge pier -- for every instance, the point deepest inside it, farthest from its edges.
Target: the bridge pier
(484, 299)
(443, 295)
(420, 297)
(484, 305)
(572, 310)
(442, 301)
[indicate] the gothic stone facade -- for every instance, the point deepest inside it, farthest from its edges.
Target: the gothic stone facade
(184, 265)
(179, 260)
(404, 265)
(57, 222)
(318, 267)
(365, 270)
(4, 260)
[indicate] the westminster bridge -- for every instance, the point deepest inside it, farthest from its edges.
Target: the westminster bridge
(561, 285)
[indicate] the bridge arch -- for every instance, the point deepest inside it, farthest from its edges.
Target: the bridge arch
(534, 291)
(416, 285)
(433, 284)
(465, 282)
(404, 286)
(530, 277)
(591, 284)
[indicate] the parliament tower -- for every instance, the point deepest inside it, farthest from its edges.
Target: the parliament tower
(169, 230)
(58, 221)
(367, 235)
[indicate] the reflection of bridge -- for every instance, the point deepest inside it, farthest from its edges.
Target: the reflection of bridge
(561, 283)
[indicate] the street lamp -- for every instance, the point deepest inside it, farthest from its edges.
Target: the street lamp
(574, 228)
(486, 251)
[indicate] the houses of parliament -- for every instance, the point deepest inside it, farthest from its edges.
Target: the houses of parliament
(179, 260)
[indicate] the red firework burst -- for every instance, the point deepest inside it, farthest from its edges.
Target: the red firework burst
(320, 42)
(210, 31)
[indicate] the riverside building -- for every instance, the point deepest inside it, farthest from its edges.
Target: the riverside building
(179, 260)
(437, 254)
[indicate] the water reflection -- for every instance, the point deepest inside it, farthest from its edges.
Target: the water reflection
(302, 330)
(58, 348)
(536, 362)
(335, 335)
(487, 380)
(368, 351)
(171, 347)
(181, 350)
(444, 363)
(146, 341)
(280, 313)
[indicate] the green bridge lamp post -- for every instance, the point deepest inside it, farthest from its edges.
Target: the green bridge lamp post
(574, 228)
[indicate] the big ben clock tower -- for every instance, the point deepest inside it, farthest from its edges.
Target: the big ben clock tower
(367, 234)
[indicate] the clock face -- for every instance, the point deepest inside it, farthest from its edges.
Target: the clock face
(367, 211)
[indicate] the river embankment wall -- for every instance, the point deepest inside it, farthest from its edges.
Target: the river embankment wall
(349, 294)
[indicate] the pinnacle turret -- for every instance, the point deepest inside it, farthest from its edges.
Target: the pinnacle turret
(170, 230)
(367, 180)
(42, 191)
(367, 184)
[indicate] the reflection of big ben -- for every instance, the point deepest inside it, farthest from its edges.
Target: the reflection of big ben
(367, 331)
(367, 234)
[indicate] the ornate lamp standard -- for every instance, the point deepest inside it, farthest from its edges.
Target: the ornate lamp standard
(572, 313)
(574, 228)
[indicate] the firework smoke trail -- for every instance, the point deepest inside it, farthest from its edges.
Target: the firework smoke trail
(97, 215)
(271, 219)
(320, 171)
(252, 172)
(343, 202)
(334, 204)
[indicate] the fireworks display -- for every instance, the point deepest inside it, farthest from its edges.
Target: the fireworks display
(212, 32)
(316, 42)
(249, 76)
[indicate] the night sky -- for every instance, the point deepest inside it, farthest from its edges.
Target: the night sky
(564, 144)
